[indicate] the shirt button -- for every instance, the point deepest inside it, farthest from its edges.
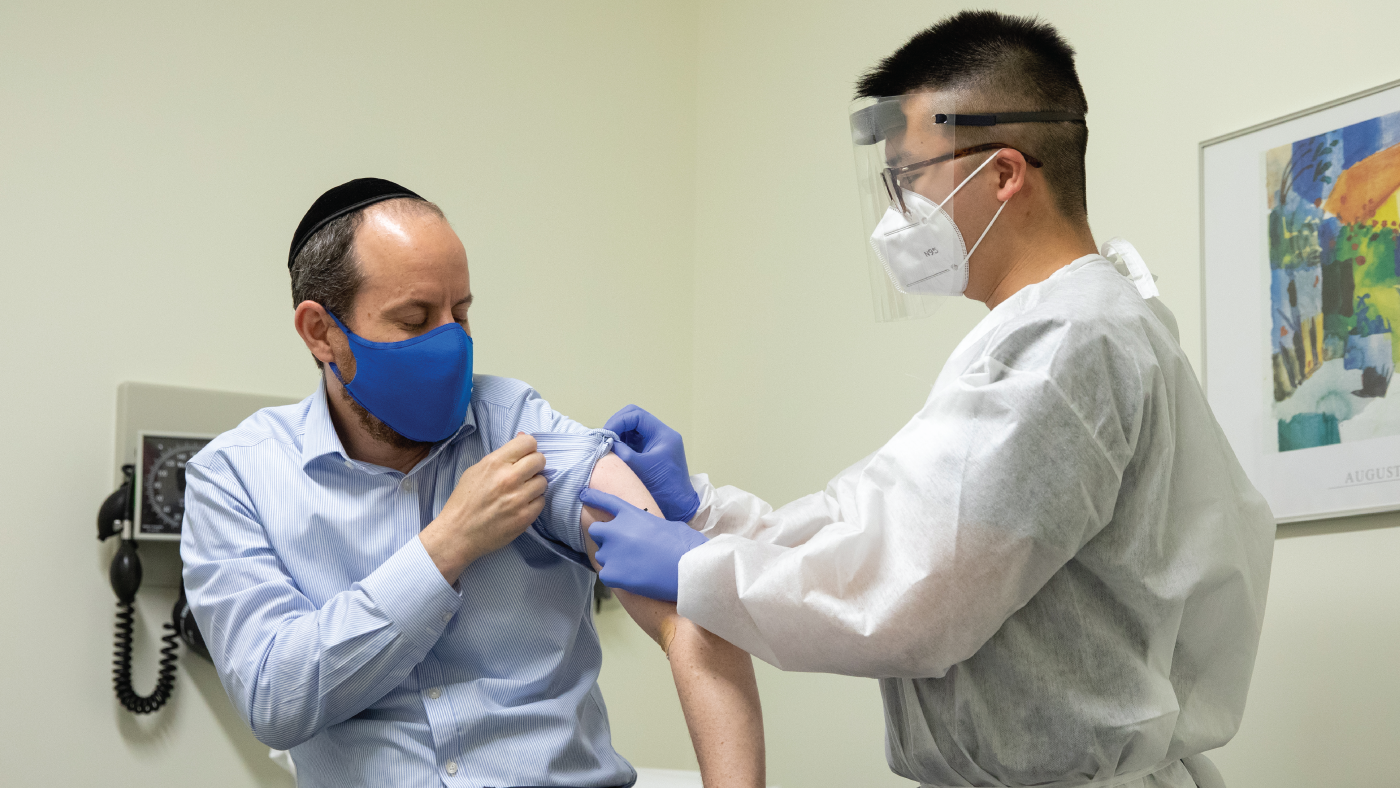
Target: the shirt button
(407, 485)
(451, 767)
(435, 693)
(446, 617)
(349, 464)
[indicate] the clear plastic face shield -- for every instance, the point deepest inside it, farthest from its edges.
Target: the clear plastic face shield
(905, 168)
(908, 154)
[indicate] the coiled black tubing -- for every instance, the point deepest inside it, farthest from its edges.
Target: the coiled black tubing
(121, 670)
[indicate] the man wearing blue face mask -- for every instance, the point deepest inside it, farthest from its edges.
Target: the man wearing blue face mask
(394, 576)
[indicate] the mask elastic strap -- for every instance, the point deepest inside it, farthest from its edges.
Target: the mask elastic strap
(348, 334)
(989, 229)
(989, 160)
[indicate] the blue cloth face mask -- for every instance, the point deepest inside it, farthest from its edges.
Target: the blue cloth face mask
(420, 387)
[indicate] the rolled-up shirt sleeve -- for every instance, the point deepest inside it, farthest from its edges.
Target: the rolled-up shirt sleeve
(570, 451)
(291, 668)
(569, 460)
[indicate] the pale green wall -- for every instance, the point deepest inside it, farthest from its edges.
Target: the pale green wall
(658, 203)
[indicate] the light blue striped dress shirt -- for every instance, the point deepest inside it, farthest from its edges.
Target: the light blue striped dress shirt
(337, 638)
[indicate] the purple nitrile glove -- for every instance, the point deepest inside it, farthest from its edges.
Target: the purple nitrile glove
(639, 551)
(656, 454)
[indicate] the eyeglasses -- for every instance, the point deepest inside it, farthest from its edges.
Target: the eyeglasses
(897, 179)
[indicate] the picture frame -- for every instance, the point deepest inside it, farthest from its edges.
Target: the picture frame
(1300, 289)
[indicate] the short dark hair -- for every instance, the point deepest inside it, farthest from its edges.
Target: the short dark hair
(1003, 64)
(326, 270)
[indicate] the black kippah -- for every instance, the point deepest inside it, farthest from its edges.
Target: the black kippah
(339, 201)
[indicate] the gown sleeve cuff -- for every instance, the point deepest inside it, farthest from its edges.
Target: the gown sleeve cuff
(706, 491)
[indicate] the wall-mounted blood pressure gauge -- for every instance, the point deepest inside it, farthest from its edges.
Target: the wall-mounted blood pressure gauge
(160, 482)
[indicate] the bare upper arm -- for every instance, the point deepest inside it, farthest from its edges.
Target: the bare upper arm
(611, 475)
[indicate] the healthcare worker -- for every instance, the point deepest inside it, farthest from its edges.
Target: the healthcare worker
(1057, 567)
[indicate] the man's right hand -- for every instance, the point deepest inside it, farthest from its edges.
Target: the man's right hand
(494, 502)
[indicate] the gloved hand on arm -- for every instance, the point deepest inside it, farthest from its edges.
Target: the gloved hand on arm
(714, 678)
(656, 453)
(639, 552)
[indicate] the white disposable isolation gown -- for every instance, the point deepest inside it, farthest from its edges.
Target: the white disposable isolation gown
(1057, 568)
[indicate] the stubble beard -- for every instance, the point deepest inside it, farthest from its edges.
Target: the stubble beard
(380, 431)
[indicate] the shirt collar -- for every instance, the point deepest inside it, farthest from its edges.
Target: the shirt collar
(320, 437)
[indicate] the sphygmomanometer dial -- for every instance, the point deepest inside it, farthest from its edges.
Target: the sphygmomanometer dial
(163, 481)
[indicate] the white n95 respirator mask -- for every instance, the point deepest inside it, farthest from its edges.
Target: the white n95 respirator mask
(922, 248)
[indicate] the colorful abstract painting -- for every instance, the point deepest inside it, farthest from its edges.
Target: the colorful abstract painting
(1334, 284)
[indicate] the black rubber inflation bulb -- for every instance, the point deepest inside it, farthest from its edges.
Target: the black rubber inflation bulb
(126, 572)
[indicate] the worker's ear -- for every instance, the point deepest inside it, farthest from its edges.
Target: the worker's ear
(324, 338)
(1011, 173)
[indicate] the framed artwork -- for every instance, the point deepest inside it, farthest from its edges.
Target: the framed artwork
(1300, 251)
